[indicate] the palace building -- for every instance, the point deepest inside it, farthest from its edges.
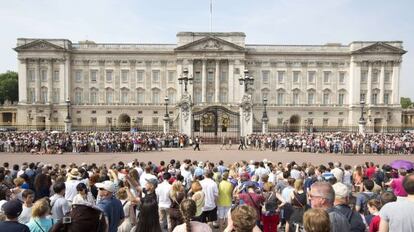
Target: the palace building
(111, 84)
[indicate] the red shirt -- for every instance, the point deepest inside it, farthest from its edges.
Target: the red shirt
(254, 200)
(370, 172)
(374, 225)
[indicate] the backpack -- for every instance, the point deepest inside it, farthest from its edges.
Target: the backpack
(364, 208)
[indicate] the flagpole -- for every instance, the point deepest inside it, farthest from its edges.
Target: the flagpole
(211, 16)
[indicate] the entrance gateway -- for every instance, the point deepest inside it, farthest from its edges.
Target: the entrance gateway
(214, 123)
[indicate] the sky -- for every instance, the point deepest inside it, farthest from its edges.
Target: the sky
(263, 21)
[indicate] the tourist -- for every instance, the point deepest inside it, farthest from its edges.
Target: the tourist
(111, 206)
(164, 201)
(60, 206)
(316, 220)
(188, 209)
(398, 216)
(322, 196)
(40, 222)
(84, 197)
(225, 194)
(298, 203)
(128, 204)
(12, 209)
(210, 191)
(199, 198)
(28, 199)
(243, 219)
(177, 195)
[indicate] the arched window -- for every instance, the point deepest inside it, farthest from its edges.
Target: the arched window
(78, 96)
(124, 95)
(155, 96)
(43, 95)
(140, 95)
(93, 96)
(311, 96)
(109, 96)
(326, 99)
(280, 99)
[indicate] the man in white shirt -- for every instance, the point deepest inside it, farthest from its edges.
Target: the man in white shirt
(164, 202)
(338, 172)
(146, 176)
(210, 191)
(71, 183)
(60, 206)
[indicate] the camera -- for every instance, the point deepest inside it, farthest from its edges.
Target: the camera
(66, 220)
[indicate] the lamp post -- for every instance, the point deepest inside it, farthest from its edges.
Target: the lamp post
(166, 117)
(246, 80)
(362, 121)
(68, 120)
(265, 119)
(185, 79)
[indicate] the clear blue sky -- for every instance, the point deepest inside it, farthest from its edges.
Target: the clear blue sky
(263, 21)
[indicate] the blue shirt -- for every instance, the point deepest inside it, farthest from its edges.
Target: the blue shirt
(40, 224)
(113, 210)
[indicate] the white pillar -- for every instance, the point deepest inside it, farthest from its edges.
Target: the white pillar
(23, 80)
(62, 92)
(203, 81)
(49, 81)
(369, 84)
(179, 87)
(396, 83)
(381, 81)
(231, 82)
(217, 81)
(190, 74)
(68, 89)
(37, 81)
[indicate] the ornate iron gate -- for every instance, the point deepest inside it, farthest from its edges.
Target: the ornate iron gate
(215, 123)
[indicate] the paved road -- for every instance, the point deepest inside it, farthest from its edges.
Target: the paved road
(208, 152)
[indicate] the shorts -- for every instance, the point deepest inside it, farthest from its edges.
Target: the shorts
(222, 212)
(209, 216)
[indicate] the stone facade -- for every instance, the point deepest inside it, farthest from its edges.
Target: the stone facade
(110, 84)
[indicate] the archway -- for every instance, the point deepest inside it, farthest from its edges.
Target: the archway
(294, 123)
(124, 122)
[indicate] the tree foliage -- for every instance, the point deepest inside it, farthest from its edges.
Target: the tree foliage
(406, 102)
(9, 87)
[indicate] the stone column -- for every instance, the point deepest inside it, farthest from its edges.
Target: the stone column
(116, 82)
(132, 81)
(49, 81)
(23, 80)
(217, 82)
(396, 83)
(147, 82)
(179, 87)
(62, 82)
(231, 83)
(68, 82)
(204, 81)
(86, 81)
(101, 82)
(381, 81)
(369, 85)
(190, 87)
(37, 81)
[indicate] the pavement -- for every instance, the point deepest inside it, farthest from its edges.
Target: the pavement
(208, 152)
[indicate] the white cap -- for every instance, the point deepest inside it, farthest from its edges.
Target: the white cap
(107, 185)
(341, 190)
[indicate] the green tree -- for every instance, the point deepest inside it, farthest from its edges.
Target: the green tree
(405, 102)
(9, 87)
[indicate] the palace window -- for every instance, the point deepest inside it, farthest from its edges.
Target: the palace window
(140, 96)
(43, 95)
(55, 95)
(93, 121)
(311, 77)
(362, 97)
(43, 74)
(340, 122)
(265, 77)
(94, 96)
(386, 98)
(197, 77)
(155, 76)
(31, 95)
(280, 76)
(364, 75)
(341, 98)
(109, 96)
(374, 99)
(31, 75)
(210, 76)
(223, 77)
(311, 98)
(326, 77)
(171, 76)
(296, 76)
(155, 96)
(375, 76)
(341, 77)
(78, 75)
(108, 75)
(94, 74)
(325, 122)
(78, 96)
(280, 96)
(172, 96)
(154, 121)
(124, 96)
(326, 98)
(140, 76)
(124, 76)
(387, 77)
(56, 75)
(295, 98)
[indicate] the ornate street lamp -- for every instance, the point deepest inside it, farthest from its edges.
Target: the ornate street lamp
(246, 80)
(166, 100)
(264, 117)
(68, 107)
(184, 78)
(362, 104)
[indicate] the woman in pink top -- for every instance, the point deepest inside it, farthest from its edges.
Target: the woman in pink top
(396, 184)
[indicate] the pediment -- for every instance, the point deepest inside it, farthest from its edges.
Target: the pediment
(379, 48)
(210, 44)
(39, 45)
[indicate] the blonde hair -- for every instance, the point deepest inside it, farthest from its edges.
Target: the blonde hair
(40, 208)
(244, 218)
(316, 220)
(298, 184)
(18, 181)
(176, 187)
(122, 193)
(196, 186)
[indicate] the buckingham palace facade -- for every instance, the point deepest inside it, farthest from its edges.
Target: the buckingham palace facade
(114, 84)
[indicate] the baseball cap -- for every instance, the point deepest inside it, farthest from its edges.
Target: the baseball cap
(107, 185)
(341, 190)
(12, 208)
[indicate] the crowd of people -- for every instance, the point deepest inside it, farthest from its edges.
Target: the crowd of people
(54, 142)
(379, 143)
(192, 195)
